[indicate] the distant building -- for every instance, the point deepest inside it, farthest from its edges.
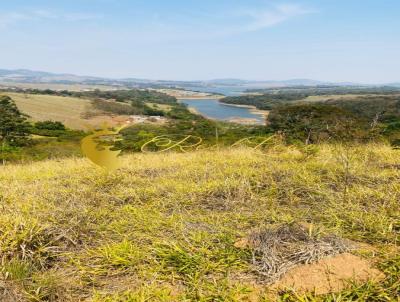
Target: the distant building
(141, 118)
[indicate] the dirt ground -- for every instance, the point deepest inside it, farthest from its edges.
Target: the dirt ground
(329, 275)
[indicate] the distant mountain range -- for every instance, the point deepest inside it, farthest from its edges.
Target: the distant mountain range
(394, 84)
(7, 77)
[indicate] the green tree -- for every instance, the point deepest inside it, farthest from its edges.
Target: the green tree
(14, 128)
(313, 123)
(50, 125)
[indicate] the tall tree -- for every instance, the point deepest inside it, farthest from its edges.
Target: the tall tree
(14, 128)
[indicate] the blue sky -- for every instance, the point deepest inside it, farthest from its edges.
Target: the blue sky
(330, 40)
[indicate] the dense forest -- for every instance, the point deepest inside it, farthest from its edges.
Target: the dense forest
(329, 90)
(266, 99)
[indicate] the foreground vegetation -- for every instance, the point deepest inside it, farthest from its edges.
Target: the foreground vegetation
(164, 226)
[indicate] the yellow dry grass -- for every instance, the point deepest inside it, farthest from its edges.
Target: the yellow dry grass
(68, 110)
(164, 227)
(75, 113)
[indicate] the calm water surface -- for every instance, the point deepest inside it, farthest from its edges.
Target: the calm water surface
(212, 108)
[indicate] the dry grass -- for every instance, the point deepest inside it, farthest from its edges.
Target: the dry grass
(164, 227)
(68, 110)
(276, 251)
(75, 113)
(163, 107)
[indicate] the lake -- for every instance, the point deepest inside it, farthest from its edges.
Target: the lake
(212, 108)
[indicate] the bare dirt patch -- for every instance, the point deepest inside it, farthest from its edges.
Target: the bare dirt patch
(297, 257)
(10, 293)
(329, 275)
(278, 250)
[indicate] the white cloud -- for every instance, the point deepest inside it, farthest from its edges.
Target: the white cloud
(42, 14)
(272, 16)
(7, 19)
(243, 20)
(81, 17)
(11, 18)
(187, 27)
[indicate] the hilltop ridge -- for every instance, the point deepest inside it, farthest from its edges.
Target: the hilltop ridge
(9, 76)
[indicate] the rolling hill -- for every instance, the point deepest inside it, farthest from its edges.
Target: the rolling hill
(24, 76)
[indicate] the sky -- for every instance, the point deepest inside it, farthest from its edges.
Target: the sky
(327, 40)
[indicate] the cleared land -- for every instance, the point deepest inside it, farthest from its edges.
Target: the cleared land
(75, 113)
(163, 107)
(70, 111)
(167, 227)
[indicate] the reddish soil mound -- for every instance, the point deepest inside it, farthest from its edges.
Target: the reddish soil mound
(329, 274)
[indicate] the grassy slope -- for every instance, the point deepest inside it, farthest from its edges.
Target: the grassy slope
(75, 113)
(163, 227)
(68, 110)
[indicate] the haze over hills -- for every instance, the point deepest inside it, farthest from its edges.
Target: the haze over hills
(394, 84)
(8, 77)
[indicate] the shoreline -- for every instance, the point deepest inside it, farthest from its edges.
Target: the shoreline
(209, 97)
(253, 109)
(182, 94)
(237, 120)
(233, 119)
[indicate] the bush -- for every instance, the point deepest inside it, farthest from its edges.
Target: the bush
(50, 125)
